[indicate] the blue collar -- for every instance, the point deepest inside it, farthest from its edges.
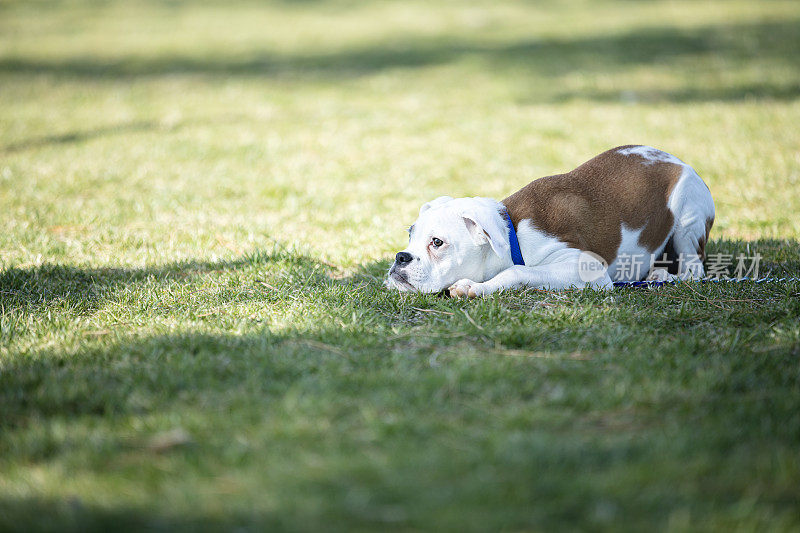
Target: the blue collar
(516, 254)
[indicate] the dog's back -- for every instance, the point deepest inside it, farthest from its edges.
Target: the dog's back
(628, 201)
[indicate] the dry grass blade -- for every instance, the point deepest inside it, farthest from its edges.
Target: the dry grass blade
(471, 320)
(267, 285)
(432, 311)
(169, 440)
(577, 356)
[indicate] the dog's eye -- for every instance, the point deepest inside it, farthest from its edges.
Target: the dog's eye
(436, 242)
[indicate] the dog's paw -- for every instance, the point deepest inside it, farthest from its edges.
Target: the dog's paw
(466, 288)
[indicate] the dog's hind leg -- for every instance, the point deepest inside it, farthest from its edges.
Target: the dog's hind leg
(693, 208)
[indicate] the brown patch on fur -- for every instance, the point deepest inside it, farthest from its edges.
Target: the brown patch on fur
(585, 207)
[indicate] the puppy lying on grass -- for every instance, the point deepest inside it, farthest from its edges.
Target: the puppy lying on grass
(630, 213)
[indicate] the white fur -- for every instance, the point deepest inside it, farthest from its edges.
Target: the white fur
(562, 274)
(633, 260)
(691, 205)
(651, 155)
(538, 247)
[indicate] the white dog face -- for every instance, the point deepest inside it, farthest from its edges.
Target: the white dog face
(451, 240)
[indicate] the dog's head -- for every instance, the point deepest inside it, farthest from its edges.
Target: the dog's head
(452, 239)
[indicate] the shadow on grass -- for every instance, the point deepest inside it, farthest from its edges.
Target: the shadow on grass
(363, 406)
(72, 514)
(122, 128)
(84, 289)
(733, 43)
(753, 91)
(84, 135)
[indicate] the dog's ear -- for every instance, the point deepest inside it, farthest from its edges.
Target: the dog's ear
(435, 203)
(488, 229)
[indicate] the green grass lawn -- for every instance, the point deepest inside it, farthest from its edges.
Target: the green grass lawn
(198, 201)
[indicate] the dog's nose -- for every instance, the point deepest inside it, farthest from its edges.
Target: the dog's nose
(402, 258)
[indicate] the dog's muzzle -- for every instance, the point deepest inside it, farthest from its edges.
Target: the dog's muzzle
(396, 275)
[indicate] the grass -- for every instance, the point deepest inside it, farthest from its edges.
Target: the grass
(199, 201)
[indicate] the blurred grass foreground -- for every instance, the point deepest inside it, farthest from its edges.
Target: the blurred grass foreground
(198, 201)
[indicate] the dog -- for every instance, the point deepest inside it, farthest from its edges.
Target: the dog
(629, 206)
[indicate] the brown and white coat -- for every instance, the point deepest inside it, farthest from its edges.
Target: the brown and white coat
(623, 209)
